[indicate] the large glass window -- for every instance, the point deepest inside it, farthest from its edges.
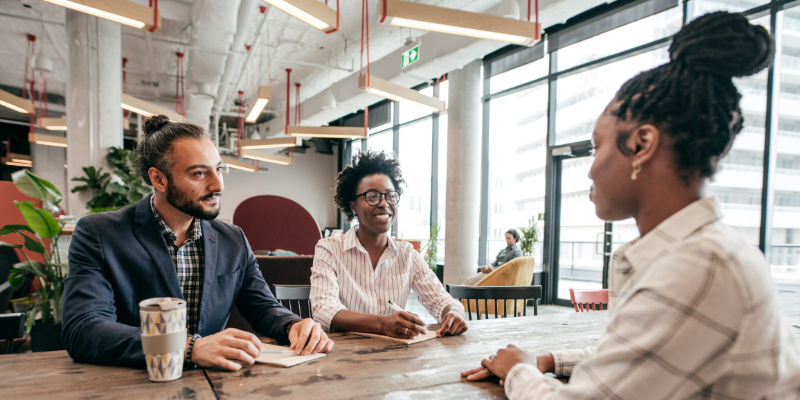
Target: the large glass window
(414, 216)
(382, 141)
(520, 75)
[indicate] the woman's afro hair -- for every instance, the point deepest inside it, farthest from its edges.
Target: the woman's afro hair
(362, 165)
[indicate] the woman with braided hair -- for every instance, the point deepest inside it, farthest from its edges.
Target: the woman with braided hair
(692, 307)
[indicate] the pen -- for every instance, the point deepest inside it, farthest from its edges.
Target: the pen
(284, 352)
(395, 306)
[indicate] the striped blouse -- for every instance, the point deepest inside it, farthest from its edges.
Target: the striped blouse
(342, 278)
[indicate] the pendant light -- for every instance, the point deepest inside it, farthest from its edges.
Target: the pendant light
(457, 22)
(312, 12)
(239, 164)
(267, 157)
(122, 11)
(380, 87)
(264, 94)
(18, 160)
(270, 143)
(53, 124)
(146, 109)
(15, 103)
(48, 140)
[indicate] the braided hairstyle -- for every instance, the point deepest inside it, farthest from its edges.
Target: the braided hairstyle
(155, 150)
(692, 98)
(362, 165)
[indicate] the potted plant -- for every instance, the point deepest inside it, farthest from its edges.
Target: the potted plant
(113, 191)
(45, 303)
(528, 237)
(431, 251)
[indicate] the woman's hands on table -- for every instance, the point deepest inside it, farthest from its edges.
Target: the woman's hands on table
(453, 322)
(499, 364)
(403, 325)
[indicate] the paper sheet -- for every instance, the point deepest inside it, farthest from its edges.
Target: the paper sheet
(419, 338)
(282, 360)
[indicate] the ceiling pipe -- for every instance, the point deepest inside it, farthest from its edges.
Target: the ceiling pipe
(244, 19)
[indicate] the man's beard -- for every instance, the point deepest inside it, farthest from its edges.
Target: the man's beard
(182, 202)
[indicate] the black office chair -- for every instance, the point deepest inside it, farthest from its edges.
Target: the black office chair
(294, 297)
(8, 257)
(12, 326)
(6, 294)
(499, 295)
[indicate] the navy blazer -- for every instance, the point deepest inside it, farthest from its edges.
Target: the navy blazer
(119, 258)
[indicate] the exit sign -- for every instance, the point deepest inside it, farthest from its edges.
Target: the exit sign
(409, 56)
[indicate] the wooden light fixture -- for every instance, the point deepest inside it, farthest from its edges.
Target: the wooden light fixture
(264, 94)
(312, 12)
(146, 109)
(53, 124)
(48, 140)
(391, 91)
(273, 143)
(457, 22)
(330, 132)
(122, 11)
(267, 157)
(18, 160)
(238, 164)
(15, 103)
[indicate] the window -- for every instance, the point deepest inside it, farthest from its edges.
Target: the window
(414, 215)
(383, 141)
(520, 75)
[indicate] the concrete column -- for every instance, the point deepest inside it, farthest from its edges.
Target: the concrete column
(48, 163)
(94, 94)
(463, 173)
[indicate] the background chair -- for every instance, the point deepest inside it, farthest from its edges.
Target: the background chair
(582, 298)
(274, 222)
(517, 272)
(511, 296)
(295, 298)
(12, 326)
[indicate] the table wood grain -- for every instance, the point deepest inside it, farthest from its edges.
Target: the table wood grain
(53, 375)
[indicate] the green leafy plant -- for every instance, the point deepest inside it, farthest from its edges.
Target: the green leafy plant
(528, 237)
(432, 248)
(111, 192)
(41, 224)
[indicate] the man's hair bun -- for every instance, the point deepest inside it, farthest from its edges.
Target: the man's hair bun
(154, 123)
(722, 43)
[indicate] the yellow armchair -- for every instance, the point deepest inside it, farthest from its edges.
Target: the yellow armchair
(517, 272)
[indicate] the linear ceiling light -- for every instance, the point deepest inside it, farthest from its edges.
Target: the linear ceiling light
(330, 132)
(312, 12)
(48, 140)
(457, 22)
(146, 109)
(273, 143)
(53, 124)
(267, 157)
(18, 160)
(15, 103)
(238, 164)
(395, 92)
(122, 11)
(264, 94)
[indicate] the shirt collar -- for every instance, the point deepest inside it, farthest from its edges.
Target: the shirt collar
(641, 251)
(351, 241)
(195, 229)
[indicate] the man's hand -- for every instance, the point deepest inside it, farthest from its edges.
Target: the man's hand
(452, 324)
(487, 269)
(498, 365)
(307, 337)
(215, 350)
(403, 325)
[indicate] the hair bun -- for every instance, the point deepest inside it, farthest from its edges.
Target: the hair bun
(724, 44)
(154, 123)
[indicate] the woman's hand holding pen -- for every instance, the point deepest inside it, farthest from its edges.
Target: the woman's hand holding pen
(403, 325)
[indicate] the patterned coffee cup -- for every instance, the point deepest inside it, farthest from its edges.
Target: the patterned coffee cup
(163, 322)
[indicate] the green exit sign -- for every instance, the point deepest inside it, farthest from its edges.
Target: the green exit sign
(409, 56)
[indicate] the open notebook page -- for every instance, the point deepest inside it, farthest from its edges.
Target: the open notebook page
(283, 360)
(431, 334)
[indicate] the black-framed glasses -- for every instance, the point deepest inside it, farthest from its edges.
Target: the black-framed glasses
(373, 197)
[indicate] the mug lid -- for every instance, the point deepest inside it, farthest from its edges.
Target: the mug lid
(162, 304)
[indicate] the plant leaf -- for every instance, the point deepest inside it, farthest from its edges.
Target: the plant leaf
(33, 267)
(36, 187)
(14, 229)
(41, 221)
(16, 276)
(34, 245)
(6, 244)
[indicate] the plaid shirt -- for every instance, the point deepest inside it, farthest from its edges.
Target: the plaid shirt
(692, 315)
(190, 265)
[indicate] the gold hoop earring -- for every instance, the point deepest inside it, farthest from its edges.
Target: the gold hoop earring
(636, 171)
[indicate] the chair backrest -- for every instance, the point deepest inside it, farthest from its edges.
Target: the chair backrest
(12, 326)
(498, 298)
(295, 298)
(582, 298)
(517, 272)
(274, 222)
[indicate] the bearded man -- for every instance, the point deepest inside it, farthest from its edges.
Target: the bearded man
(170, 245)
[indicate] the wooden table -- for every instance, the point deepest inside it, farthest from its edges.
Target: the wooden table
(358, 367)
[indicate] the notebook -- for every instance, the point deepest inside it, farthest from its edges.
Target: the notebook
(419, 338)
(282, 360)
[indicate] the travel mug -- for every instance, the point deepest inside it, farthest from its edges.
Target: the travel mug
(163, 337)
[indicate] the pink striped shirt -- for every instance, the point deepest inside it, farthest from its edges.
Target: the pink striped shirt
(342, 278)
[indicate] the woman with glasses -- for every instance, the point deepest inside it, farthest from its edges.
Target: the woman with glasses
(356, 275)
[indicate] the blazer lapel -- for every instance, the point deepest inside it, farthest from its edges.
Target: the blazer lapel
(210, 273)
(149, 235)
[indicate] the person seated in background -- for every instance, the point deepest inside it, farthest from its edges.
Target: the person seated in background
(507, 254)
(692, 307)
(170, 245)
(355, 275)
